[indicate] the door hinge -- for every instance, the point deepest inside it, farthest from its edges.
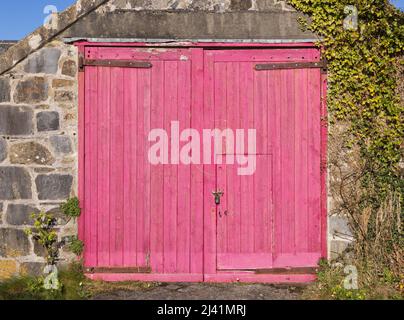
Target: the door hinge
(292, 65)
(118, 270)
(81, 62)
(112, 63)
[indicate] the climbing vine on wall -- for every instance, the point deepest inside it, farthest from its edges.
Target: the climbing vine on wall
(362, 78)
(362, 41)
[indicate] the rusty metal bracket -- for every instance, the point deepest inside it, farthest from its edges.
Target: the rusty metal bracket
(291, 65)
(113, 63)
(284, 271)
(118, 270)
(81, 62)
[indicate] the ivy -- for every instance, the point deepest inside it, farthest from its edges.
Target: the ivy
(363, 97)
(363, 77)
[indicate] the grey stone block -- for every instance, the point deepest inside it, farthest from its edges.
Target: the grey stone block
(3, 149)
(32, 268)
(16, 120)
(64, 96)
(39, 250)
(30, 153)
(45, 61)
(13, 243)
(61, 144)
(32, 90)
(337, 248)
(20, 214)
(4, 90)
(54, 186)
(47, 121)
(15, 183)
(240, 4)
(69, 68)
(268, 5)
(339, 226)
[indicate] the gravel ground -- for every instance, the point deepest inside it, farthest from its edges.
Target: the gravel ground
(204, 291)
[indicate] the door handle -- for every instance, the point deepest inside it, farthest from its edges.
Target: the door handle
(217, 194)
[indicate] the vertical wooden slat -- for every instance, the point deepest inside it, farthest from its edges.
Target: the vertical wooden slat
(171, 171)
(246, 182)
(130, 123)
(116, 169)
(104, 133)
(288, 155)
(81, 149)
(210, 211)
(90, 200)
(261, 227)
(196, 195)
(143, 88)
(184, 172)
(221, 122)
(146, 170)
(232, 218)
(301, 163)
(157, 173)
(277, 163)
(314, 174)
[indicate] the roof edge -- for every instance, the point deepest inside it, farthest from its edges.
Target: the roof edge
(44, 34)
(175, 41)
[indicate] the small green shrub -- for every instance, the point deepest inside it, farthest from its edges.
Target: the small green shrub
(71, 208)
(76, 246)
(31, 288)
(330, 285)
(44, 233)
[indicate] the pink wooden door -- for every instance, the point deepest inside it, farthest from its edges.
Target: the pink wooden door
(137, 214)
(270, 219)
(162, 218)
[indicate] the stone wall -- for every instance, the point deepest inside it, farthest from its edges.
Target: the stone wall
(206, 5)
(38, 151)
(38, 110)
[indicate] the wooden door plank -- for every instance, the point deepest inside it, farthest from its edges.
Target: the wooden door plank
(104, 159)
(157, 174)
(91, 166)
(116, 169)
(210, 211)
(170, 211)
(130, 144)
(197, 200)
(184, 172)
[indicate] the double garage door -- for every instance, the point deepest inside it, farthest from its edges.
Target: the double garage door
(201, 165)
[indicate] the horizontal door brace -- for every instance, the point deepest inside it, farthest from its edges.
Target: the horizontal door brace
(114, 63)
(118, 270)
(291, 65)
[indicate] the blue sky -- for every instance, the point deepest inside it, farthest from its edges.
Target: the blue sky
(20, 17)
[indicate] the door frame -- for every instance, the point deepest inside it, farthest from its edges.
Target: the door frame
(208, 274)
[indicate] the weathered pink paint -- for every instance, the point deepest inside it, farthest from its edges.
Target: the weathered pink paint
(274, 217)
(164, 217)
